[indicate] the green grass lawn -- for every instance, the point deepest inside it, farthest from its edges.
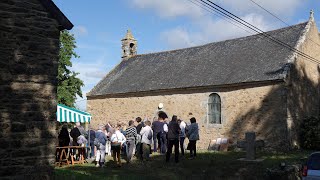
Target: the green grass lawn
(207, 165)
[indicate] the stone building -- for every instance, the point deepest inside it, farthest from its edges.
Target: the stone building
(29, 48)
(231, 87)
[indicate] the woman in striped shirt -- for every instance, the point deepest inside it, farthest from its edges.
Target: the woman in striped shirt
(131, 135)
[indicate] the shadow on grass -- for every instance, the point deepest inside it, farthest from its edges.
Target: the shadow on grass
(207, 165)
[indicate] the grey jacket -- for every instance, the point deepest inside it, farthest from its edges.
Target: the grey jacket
(193, 131)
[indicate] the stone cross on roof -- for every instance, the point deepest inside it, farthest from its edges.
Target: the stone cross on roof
(311, 18)
(128, 35)
(250, 145)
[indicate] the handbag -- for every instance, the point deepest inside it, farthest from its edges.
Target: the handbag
(150, 135)
(116, 144)
(188, 146)
(96, 142)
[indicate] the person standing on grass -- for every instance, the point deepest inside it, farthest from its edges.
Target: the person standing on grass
(101, 147)
(193, 135)
(75, 133)
(173, 139)
(82, 130)
(182, 134)
(131, 136)
(108, 132)
(138, 140)
(117, 140)
(147, 134)
(158, 128)
(91, 142)
(64, 139)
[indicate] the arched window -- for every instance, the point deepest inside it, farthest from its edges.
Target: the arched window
(214, 109)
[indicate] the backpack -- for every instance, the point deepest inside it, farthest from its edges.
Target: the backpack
(150, 135)
(96, 142)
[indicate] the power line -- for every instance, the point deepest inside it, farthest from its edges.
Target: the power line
(259, 31)
(269, 12)
(217, 13)
(272, 14)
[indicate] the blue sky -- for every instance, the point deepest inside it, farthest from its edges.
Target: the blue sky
(159, 25)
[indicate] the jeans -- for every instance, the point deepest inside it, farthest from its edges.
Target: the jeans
(131, 146)
(155, 142)
(162, 138)
(182, 145)
(139, 150)
(92, 150)
(175, 143)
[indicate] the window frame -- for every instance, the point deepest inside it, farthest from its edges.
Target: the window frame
(208, 111)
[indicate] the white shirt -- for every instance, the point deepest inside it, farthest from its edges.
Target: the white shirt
(144, 133)
(183, 129)
(118, 137)
(165, 127)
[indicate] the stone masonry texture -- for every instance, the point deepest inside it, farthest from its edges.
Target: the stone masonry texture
(272, 109)
(243, 109)
(29, 50)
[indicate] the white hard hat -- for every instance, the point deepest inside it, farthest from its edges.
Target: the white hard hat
(160, 105)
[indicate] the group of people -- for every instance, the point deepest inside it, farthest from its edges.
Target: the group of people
(169, 134)
(136, 140)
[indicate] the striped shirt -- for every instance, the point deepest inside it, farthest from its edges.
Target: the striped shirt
(131, 133)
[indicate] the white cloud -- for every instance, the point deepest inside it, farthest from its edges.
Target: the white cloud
(169, 8)
(92, 72)
(279, 7)
(207, 27)
(79, 31)
(177, 38)
(210, 30)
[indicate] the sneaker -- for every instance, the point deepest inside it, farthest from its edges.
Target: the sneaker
(102, 165)
(97, 165)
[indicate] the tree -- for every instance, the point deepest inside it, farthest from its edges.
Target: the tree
(69, 86)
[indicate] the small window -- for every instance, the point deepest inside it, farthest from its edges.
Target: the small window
(214, 109)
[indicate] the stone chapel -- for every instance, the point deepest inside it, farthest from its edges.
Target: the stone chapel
(230, 87)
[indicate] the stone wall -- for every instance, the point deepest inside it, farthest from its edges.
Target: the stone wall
(260, 108)
(29, 49)
(303, 83)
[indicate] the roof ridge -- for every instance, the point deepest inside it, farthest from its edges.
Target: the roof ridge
(215, 64)
(179, 49)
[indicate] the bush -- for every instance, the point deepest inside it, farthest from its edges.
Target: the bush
(310, 133)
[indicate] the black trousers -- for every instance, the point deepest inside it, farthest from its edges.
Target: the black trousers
(171, 143)
(181, 145)
(193, 148)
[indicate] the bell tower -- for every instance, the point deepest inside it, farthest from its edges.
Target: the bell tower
(129, 46)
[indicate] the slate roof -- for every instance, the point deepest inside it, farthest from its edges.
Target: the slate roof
(57, 14)
(247, 59)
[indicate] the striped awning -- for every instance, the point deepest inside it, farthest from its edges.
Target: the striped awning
(68, 114)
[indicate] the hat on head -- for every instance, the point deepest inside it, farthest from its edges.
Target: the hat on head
(160, 105)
